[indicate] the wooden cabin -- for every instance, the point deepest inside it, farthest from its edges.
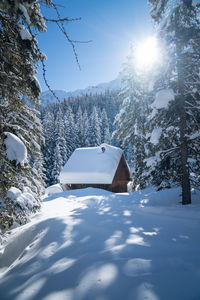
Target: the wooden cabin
(100, 167)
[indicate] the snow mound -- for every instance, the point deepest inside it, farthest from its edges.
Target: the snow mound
(54, 189)
(15, 148)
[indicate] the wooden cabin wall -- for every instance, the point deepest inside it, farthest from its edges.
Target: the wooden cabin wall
(98, 186)
(121, 178)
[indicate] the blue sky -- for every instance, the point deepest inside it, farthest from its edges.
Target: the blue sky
(112, 25)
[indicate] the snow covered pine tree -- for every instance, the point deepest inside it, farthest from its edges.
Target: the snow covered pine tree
(19, 56)
(179, 26)
(131, 122)
(94, 130)
(21, 181)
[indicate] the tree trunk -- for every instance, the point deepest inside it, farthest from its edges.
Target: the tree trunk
(185, 176)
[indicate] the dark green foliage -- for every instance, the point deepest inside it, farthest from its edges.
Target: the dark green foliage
(19, 57)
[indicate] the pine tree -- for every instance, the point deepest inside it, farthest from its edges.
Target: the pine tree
(79, 127)
(131, 122)
(48, 149)
(60, 137)
(105, 131)
(70, 131)
(94, 132)
(85, 129)
(19, 98)
(60, 147)
(178, 25)
(20, 22)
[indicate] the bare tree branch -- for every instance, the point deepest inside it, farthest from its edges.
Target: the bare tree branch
(46, 82)
(61, 20)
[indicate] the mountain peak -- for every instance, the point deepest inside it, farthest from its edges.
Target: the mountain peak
(47, 97)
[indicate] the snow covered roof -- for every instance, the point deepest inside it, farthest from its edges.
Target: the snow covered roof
(91, 165)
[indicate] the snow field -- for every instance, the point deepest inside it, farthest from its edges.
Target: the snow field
(93, 244)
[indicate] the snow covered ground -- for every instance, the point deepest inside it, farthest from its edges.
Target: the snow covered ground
(93, 244)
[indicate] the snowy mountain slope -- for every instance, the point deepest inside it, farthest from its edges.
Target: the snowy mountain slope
(92, 244)
(113, 85)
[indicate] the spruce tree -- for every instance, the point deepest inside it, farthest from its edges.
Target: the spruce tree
(60, 136)
(105, 131)
(71, 136)
(94, 131)
(178, 24)
(19, 57)
(79, 127)
(60, 154)
(48, 149)
(85, 129)
(131, 122)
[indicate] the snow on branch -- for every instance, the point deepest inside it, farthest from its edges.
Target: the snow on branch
(15, 149)
(163, 98)
(155, 135)
(25, 13)
(24, 33)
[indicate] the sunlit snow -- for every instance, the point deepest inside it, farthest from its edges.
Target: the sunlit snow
(92, 244)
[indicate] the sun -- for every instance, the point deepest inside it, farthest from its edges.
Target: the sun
(147, 53)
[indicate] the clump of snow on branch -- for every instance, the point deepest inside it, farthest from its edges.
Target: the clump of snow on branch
(24, 33)
(155, 135)
(37, 84)
(23, 199)
(163, 98)
(17, 207)
(153, 160)
(25, 13)
(15, 149)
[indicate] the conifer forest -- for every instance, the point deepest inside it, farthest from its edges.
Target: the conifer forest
(153, 115)
(99, 149)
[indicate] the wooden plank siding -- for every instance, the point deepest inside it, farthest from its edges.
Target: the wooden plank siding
(121, 178)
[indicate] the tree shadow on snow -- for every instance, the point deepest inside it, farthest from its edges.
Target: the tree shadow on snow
(103, 251)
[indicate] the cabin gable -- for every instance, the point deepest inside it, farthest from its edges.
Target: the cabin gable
(121, 178)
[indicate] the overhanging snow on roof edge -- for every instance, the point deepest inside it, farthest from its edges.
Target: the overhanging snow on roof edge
(91, 165)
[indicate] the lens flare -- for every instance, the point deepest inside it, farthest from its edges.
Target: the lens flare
(147, 53)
